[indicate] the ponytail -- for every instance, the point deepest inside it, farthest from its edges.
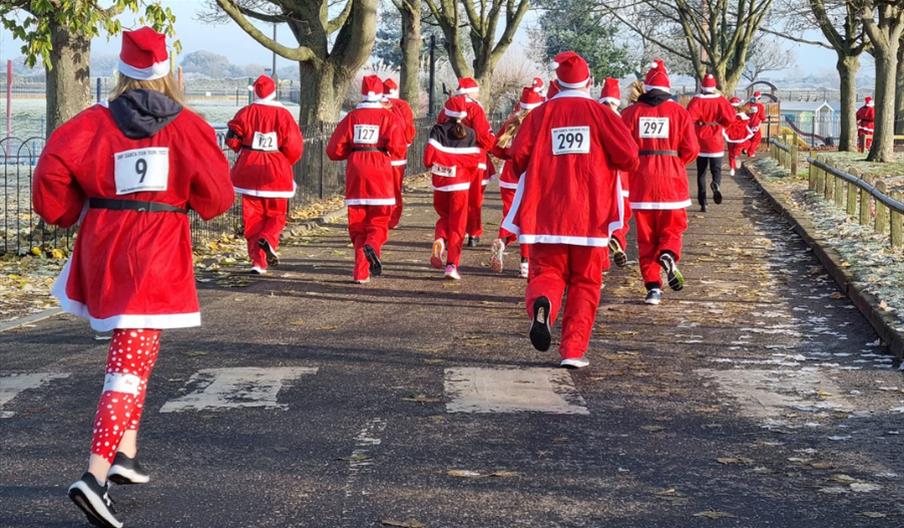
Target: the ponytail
(458, 131)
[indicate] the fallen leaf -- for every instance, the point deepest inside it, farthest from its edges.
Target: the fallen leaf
(713, 514)
(734, 460)
(837, 295)
(422, 399)
(464, 473)
(410, 523)
(864, 487)
(834, 490)
(652, 428)
(841, 477)
(504, 474)
(872, 515)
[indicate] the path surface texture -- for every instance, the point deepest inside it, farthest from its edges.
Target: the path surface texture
(756, 397)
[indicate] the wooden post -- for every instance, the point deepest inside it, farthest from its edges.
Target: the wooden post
(881, 210)
(852, 196)
(820, 179)
(839, 192)
(897, 223)
(866, 201)
(812, 176)
(793, 155)
(830, 186)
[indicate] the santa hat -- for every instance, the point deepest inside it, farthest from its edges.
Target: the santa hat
(537, 84)
(143, 56)
(390, 89)
(611, 92)
(657, 77)
(735, 101)
(553, 89)
(467, 85)
(456, 107)
(264, 88)
(868, 101)
(372, 88)
(572, 72)
(709, 84)
(530, 99)
(755, 97)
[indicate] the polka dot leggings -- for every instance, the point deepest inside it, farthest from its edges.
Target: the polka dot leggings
(129, 362)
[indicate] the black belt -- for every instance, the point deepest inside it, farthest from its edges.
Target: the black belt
(369, 149)
(659, 153)
(134, 205)
(258, 150)
(707, 123)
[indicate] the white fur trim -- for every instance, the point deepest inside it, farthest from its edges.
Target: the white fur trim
(370, 201)
(507, 185)
(648, 87)
(453, 187)
(609, 100)
(528, 106)
(463, 91)
(573, 93)
(393, 94)
(452, 150)
(660, 206)
(564, 239)
(158, 70)
(711, 154)
(270, 97)
(398, 163)
(268, 194)
(369, 104)
(710, 95)
(455, 115)
(576, 86)
(482, 166)
(708, 90)
(269, 102)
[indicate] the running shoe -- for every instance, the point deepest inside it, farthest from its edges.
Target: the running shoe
(438, 257)
(496, 255)
(473, 241)
(525, 270)
(94, 500)
(272, 257)
(540, 335)
(452, 272)
(575, 363)
(654, 296)
(717, 193)
(127, 470)
(257, 270)
(618, 253)
(676, 279)
(376, 267)
(362, 281)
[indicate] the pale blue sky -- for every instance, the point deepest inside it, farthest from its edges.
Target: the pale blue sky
(229, 40)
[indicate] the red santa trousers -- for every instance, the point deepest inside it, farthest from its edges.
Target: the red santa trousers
(475, 204)
(658, 231)
(621, 234)
(508, 196)
(734, 151)
(555, 268)
(452, 208)
(264, 218)
(130, 360)
(754, 144)
(368, 225)
(396, 217)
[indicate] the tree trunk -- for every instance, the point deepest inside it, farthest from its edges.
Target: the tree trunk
(899, 93)
(409, 86)
(847, 71)
(68, 88)
(884, 138)
(322, 90)
(486, 90)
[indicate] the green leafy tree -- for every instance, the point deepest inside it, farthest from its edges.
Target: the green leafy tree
(574, 25)
(58, 33)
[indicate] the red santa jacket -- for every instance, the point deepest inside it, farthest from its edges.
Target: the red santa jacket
(569, 151)
(710, 114)
(739, 130)
(402, 110)
(368, 137)
(269, 143)
(665, 134)
(757, 116)
(477, 120)
(452, 161)
(131, 268)
(866, 118)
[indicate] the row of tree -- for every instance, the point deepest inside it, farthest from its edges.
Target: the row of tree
(336, 38)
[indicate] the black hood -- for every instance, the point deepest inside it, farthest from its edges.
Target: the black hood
(142, 113)
(654, 97)
(443, 134)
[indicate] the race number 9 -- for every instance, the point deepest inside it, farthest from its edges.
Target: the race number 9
(141, 170)
(654, 127)
(367, 134)
(571, 140)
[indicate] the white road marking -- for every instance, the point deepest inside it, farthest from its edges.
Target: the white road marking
(233, 388)
(360, 460)
(12, 384)
(510, 390)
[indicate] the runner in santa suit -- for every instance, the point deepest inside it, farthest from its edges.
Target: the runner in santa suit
(476, 120)
(611, 98)
(452, 155)
(866, 120)
(402, 110)
(711, 112)
(553, 89)
(537, 86)
(128, 174)
(737, 134)
(568, 202)
(269, 143)
(508, 180)
(757, 115)
(665, 134)
(369, 137)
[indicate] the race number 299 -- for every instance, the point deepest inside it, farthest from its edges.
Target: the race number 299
(654, 127)
(367, 134)
(571, 140)
(141, 170)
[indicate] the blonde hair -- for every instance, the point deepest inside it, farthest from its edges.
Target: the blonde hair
(165, 85)
(505, 139)
(635, 91)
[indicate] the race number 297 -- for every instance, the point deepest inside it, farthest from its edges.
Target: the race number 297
(571, 140)
(141, 170)
(367, 134)
(654, 127)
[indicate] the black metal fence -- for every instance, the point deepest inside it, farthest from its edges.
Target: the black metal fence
(21, 230)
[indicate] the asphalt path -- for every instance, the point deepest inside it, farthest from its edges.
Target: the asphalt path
(756, 397)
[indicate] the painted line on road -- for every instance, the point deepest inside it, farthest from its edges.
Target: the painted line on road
(360, 459)
(236, 387)
(11, 385)
(511, 390)
(29, 319)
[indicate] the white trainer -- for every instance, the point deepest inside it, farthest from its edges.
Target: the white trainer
(452, 272)
(575, 363)
(525, 270)
(497, 254)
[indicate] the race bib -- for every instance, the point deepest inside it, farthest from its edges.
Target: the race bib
(443, 171)
(654, 128)
(367, 134)
(266, 142)
(141, 170)
(571, 140)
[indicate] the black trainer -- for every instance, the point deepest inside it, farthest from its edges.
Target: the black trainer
(717, 193)
(703, 208)
(540, 335)
(473, 241)
(272, 257)
(127, 470)
(618, 253)
(676, 279)
(654, 296)
(376, 267)
(94, 500)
